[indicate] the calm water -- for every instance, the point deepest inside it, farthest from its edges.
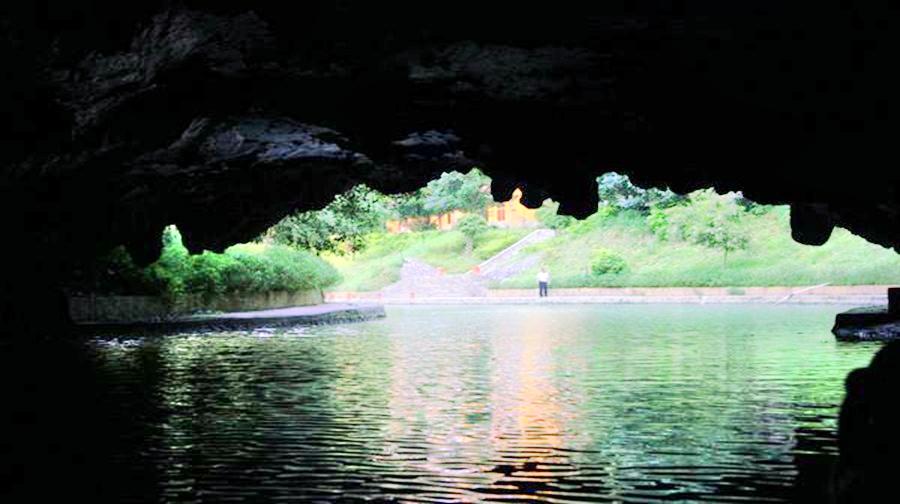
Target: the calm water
(551, 403)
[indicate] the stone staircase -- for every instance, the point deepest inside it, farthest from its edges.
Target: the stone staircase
(509, 261)
(419, 280)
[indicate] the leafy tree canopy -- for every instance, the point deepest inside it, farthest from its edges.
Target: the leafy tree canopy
(457, 191)
(471, 226)
(340, 227)
(241, 269)
(408, 205)
(548, 215)
(711, 220)
(619, 193)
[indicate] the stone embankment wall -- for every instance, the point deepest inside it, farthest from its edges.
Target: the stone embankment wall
(139, 308)
(839, 294)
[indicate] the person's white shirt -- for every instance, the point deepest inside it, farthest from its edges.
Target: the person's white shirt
(543, 276)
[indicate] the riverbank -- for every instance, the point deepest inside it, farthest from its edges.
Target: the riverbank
(838, 294)
(332, 313)
(639, 257)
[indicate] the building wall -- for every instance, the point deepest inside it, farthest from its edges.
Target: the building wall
(512, 213)
(509, 214)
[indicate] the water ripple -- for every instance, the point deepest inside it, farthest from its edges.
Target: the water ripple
(499, 404)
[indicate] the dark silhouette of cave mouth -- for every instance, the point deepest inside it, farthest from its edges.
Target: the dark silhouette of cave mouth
(222, 118)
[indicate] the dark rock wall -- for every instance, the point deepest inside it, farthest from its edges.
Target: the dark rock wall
(868, 437)
(224, 116)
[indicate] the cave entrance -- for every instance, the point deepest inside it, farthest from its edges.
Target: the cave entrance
(679, 350)
(449, 240)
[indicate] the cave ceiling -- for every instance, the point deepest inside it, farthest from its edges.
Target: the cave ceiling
(223, 117)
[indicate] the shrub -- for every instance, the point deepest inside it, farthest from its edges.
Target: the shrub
(422, 225)
(712, 220)
(264, 268)
(114, 273)
(658, 222)
(471, 226)
(242, 269)
(548, 215)
(338, 228)
(617, 192)
(204, 274)
(167, 274)
(607, 262)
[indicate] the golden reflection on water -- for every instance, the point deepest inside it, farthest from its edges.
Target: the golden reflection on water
(566, 402)
(528, 415)
(503, 401)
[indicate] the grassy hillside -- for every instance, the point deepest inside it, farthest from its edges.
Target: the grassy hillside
(771, 256)
(379, 263)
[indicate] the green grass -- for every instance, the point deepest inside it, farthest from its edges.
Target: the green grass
(771, 258)
(379, 263)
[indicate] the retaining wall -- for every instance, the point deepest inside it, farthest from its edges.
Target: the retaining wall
(140, 308)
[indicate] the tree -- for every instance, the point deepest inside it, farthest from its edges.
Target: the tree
(457, 191)
(619, 193)
(168, 273)
(340, 227)
(471, 226)
(711, 220)
(548, 215)
(407, 205)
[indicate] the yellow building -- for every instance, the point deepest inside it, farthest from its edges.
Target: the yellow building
(512, 213)
(508, 214)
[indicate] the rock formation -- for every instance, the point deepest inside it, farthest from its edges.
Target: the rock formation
(867, 431)
(222, 117)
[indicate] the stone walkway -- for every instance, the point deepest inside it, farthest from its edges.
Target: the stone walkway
(330, 313)
(849, 294)
(510, 262)
(420, 280)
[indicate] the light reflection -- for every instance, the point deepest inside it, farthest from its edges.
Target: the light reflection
(462, 404)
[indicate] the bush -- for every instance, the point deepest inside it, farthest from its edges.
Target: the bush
(422, 225)
(471, 226)
(658, 222)
(167, 274)
(548, 215)
(607, 262)
(712, 220)
(205, 274)
(242, 269)
(617, 192)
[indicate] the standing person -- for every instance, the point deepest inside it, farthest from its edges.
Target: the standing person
(543, 278)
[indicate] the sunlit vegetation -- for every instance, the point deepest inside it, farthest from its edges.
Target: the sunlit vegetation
(379, 263)
(640, 237)
(471, 226)
(241, 269)
(653, 257)
(339, 228)
(451, 191)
